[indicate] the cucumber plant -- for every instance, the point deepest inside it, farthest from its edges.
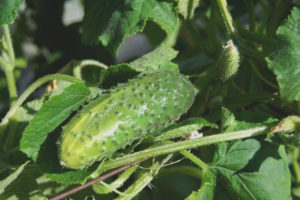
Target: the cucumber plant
(205, 107)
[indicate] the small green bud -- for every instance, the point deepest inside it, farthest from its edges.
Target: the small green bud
(228, 62)
(286, 132)
(288, 125)
(227, 119)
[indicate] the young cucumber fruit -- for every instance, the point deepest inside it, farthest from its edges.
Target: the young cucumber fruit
(130, 111)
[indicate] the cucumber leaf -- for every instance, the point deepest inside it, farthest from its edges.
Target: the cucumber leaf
(266, 176)
(109, 22)
(8, 10)
(152, 61)
(285, 60)
(187, 8)
(246, 170)
(51, 114)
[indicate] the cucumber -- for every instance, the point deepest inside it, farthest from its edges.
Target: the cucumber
(127, 113)
(228, 62)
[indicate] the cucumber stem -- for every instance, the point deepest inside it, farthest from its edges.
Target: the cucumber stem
(194, 159)
(174, 147)
(77, 69)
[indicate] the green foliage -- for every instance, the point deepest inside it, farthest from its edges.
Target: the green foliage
(175, 108)
(4, 183)
(246, 170)
(187, 8)
(155, 60)
(25, 183)
(8, 10)
(109, 22)
(50, 116)
(285, 60)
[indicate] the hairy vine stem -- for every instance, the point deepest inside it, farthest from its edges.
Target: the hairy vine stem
(8, 66)
(194, 159)
(253, 66)
(174, 147)
(226, 16)
(77, 69)
(9, 44)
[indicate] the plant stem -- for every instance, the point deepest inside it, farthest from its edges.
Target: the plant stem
(8, 67)
(84, 63)
(88, 184)
(171, 40)
(266, 13)
(31, 89)
(256, 37)
(298, 106)
(281, 8)
(105, 188)
(253, 53)
(186, 170)
(237, 87)
(295, 164)
(139, 184)
(226, 16)
(260, 75)
(194, 159)
(10, 49)
(234, 34)
(213, 43)
(12, 89)
(195, 36)
(251, 14)
(174, 147)
(3, 65)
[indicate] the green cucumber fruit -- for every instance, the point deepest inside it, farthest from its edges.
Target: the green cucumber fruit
(126, 114)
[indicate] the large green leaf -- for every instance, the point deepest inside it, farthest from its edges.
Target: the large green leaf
(51, 114)
(285, 61)
(246, 170)
(266, 175)
(237, 156)
(156, 60)
(109, 22)
(8, 9)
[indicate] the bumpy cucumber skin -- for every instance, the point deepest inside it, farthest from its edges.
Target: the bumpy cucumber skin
(129, 112)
